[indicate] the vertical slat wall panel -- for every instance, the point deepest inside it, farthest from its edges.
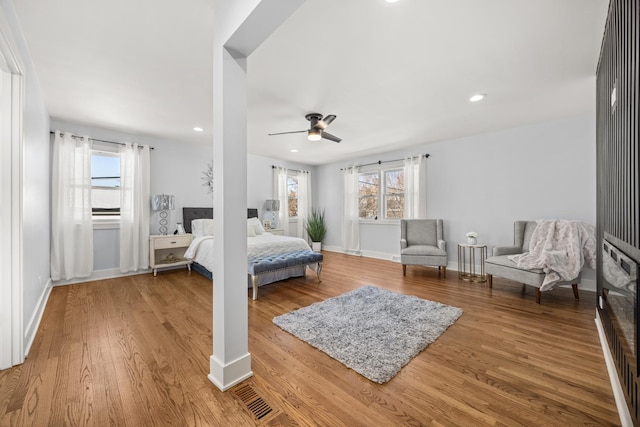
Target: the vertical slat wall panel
(618, 161)
(618, 68)
(635, 113)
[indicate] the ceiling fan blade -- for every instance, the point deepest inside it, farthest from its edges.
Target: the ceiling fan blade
(327, 135)
(285, 133)
(322, 124)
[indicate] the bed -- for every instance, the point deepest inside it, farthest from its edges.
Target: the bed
(262, 244)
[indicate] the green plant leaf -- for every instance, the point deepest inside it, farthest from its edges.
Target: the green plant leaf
(316, 225)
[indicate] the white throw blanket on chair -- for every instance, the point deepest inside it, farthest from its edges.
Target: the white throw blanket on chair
(560, 248)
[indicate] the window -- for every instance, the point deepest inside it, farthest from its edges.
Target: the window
(292, 194)
(381, 194)
(105, 184)
(368, 191)
(394, 193)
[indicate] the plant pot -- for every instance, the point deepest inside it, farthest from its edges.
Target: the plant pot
(471, 240)
(316, 246)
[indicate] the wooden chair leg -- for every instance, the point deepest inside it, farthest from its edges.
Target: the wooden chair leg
(538, 294)
(444, 271)
(254, 280)
(490, 277)
(404, 269)
(574, 286)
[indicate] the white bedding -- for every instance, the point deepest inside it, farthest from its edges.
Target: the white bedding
(201, 250)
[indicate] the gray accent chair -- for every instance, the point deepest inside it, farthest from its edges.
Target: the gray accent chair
(500, 265)
(422, 243)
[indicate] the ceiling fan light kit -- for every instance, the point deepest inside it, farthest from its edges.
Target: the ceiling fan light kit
(317, 127)
(315, 134)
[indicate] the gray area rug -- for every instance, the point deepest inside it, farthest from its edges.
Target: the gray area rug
(373, 331)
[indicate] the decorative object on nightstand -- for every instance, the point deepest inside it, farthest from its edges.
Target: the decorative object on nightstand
(162, 203)
(272, 206)
(168, 251)
(472, 238)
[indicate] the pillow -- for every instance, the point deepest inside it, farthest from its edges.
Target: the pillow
(257, 226)
(251, 231)
(202, 227)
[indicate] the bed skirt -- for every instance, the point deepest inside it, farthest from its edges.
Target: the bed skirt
(201, 270)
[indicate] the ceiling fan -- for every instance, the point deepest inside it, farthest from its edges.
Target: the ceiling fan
(317, 127)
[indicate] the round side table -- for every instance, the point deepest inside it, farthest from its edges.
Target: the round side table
(467, 256)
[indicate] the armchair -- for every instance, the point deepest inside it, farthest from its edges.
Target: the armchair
(500, 265)
(422, 243)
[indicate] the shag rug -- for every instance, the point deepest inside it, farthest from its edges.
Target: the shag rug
(373, 331)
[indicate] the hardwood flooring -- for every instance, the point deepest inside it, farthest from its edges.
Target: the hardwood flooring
(134, 351)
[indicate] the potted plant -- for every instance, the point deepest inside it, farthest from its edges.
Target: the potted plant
(472, 237)
(316, 228)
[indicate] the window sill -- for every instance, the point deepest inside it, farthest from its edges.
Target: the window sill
(380, 221)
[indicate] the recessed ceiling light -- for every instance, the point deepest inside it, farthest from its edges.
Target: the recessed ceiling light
(477, 97)
(294, 150)
(392, 1)
(198, 129)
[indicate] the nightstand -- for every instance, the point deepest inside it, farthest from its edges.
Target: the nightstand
(276, 231)
(168, 251)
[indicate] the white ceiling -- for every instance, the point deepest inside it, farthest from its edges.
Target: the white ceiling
(395, 75)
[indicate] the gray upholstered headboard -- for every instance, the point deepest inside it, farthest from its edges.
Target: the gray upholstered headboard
(189, 214)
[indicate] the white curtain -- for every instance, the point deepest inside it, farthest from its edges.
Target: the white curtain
(304, 203)
(350, 211)
(280, 189)
(71, 224)
(134, 207)
(415, 183)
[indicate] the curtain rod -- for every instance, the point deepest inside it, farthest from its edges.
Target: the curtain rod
(379, 162)
(293, 170)
(99, 140)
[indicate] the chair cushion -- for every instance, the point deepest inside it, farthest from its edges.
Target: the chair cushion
(502, 266)
(503, 260)
(425, 250)
(422, 232)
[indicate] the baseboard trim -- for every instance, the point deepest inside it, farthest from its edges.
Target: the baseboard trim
(226, 376)
(102, 275)
(618, 393)
(36, 318)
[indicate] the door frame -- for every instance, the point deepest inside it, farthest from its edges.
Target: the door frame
(11, 257)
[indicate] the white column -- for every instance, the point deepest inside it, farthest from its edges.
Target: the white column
(239, 27)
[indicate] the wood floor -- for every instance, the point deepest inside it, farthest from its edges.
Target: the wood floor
(135, 351)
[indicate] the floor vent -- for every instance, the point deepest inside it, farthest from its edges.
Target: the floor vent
(256, 405)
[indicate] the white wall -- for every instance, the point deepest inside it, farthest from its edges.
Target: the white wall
(35, 186)
(485, 182)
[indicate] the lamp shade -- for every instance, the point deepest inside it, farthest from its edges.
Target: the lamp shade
(162, 202)
(272, 205)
